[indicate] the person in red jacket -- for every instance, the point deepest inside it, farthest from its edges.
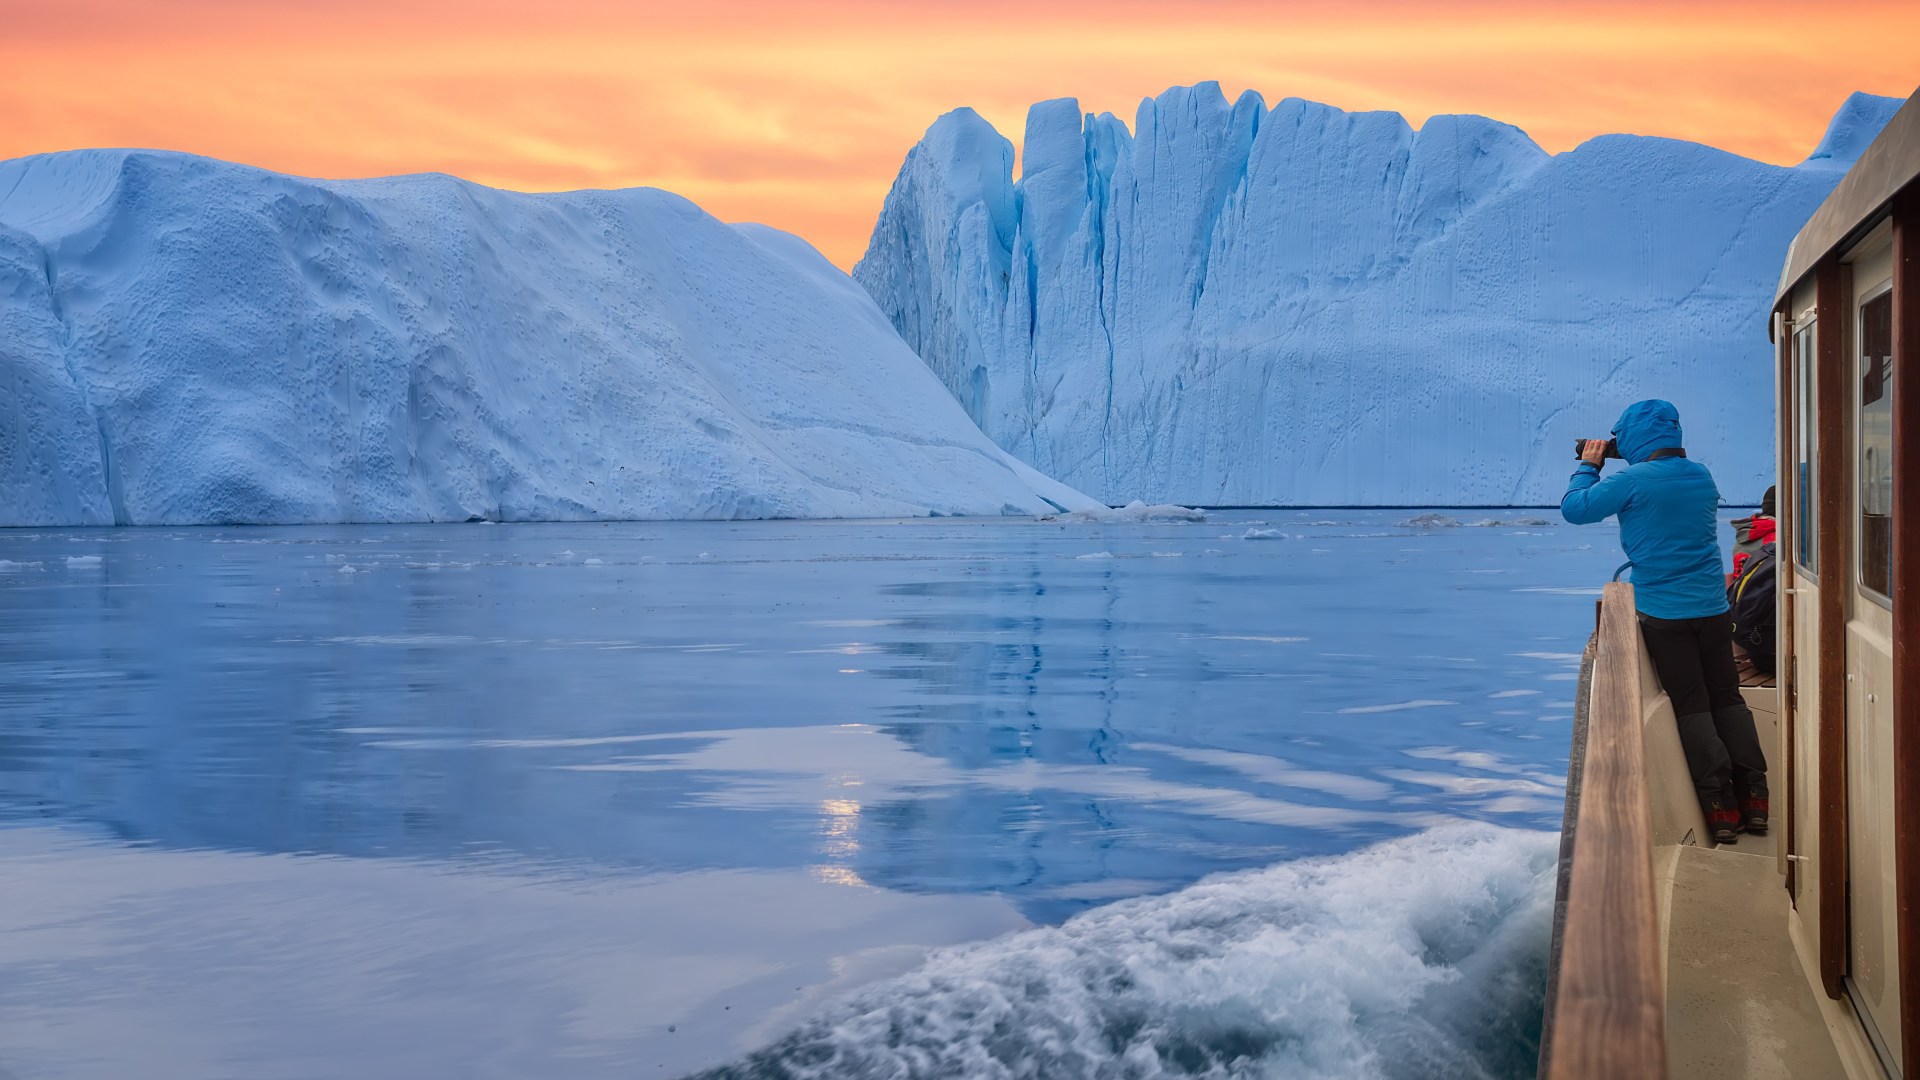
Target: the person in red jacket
(1750, 534)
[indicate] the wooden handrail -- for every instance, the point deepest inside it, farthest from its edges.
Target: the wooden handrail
(1607, 1013)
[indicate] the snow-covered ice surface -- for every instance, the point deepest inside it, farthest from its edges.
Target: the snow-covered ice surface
(1236, 305)
(606, 800)
(188, 341)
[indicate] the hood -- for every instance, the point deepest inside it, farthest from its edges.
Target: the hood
(1647, 426)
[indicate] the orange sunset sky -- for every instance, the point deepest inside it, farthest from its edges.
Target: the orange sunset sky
(798, 113)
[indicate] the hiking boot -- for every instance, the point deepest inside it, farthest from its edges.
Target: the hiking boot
(1753, 811)
(1723, 821)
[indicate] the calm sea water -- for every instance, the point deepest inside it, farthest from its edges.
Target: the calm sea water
(640, 800)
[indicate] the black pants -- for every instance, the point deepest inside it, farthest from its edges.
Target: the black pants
(1694, 658)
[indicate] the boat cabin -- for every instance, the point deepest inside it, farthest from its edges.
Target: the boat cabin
(1796, 954)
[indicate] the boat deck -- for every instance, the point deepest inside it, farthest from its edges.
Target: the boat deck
(1738, 1002)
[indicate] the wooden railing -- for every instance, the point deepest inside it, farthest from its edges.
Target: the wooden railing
(1606, 1000)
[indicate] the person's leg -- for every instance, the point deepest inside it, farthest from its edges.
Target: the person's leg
(1674, 647)
(1733, 721)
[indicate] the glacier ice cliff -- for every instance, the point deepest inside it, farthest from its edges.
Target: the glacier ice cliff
(188, 341)
(1236, 305)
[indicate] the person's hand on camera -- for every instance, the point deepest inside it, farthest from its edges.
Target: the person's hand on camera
(1594, 453)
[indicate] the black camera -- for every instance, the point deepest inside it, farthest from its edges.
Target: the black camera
(1580, 447)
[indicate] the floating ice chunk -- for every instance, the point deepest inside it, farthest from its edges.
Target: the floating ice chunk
(1429, 521)
(593, 562)
(1496, 523)
(1133, 511)
(347, 568)
(83, 562)
(1096, 555)
(1263, 534)
(8, 566)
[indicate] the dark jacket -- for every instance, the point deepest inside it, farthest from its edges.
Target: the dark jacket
(1749, 535)
(1667, 511)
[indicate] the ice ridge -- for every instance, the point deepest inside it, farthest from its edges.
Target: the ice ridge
(1236, 305)
(187, 341)
(1860, 118)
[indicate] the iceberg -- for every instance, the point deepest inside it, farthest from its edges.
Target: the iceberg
(1236, 305)
(187, 341)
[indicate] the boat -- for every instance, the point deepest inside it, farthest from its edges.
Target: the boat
(1796, 954)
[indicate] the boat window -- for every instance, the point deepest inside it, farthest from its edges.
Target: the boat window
(1876, 445)
(1806, 514)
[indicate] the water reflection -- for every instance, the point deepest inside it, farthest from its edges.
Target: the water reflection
(171, 964)
(542, 765)
(488, 686)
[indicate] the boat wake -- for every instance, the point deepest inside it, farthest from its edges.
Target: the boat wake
(1419, 957)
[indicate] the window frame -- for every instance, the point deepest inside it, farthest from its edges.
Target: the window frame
(1806, 429)
(1858, 465)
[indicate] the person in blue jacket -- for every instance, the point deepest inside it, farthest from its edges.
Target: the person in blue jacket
(1667, 507)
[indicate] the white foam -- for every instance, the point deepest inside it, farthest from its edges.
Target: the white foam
(1419, 957)
(1276, 771)
(1397, 706)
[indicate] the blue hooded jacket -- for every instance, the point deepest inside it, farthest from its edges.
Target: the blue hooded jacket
(1667, 511)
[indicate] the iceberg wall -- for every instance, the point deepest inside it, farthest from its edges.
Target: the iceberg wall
(187, 341)
(1236, 305)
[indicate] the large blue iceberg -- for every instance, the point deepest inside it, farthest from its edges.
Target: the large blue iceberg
(187, 341)
(1236, 305)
